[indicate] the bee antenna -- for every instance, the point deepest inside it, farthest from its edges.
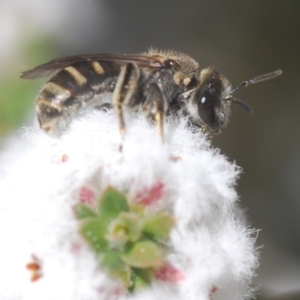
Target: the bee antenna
(242, 104)
(256, 79)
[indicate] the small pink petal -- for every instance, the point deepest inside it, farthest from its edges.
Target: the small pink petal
(151, 194)
(75, 249)
(169, 273)
(118, 292)
(87, 196)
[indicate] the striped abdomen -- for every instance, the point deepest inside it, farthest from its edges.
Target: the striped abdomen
(72, 88)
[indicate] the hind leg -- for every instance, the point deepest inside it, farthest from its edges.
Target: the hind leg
(125, 89)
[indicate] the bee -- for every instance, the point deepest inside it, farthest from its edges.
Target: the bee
(157, 83)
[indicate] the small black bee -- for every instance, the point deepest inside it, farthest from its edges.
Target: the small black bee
(158, 83)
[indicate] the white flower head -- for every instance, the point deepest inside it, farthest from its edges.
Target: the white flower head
(211, 251)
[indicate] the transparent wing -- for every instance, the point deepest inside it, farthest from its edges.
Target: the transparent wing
(57, 64)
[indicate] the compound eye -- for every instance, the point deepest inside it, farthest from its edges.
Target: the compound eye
(206, 109)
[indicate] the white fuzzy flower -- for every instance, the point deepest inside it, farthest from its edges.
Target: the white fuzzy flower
(212, 254)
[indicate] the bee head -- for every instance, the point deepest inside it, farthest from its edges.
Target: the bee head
(206, 106)
(209, 102)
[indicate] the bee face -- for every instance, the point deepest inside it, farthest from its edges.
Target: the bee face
(206, 105)
(157, 83)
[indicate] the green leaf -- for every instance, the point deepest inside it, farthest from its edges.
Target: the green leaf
(143, 254)
(111, 203)
(158, 226)
(124, 274)
(117, 268)
(93, 230)
(82, 211)
(112, 261)
(140, 278)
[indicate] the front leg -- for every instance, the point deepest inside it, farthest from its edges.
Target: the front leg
(125, 89)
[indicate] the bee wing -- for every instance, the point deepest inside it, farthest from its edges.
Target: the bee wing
(55, 65)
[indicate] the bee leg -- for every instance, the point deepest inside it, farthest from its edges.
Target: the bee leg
(124, 91)
(156, 106)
